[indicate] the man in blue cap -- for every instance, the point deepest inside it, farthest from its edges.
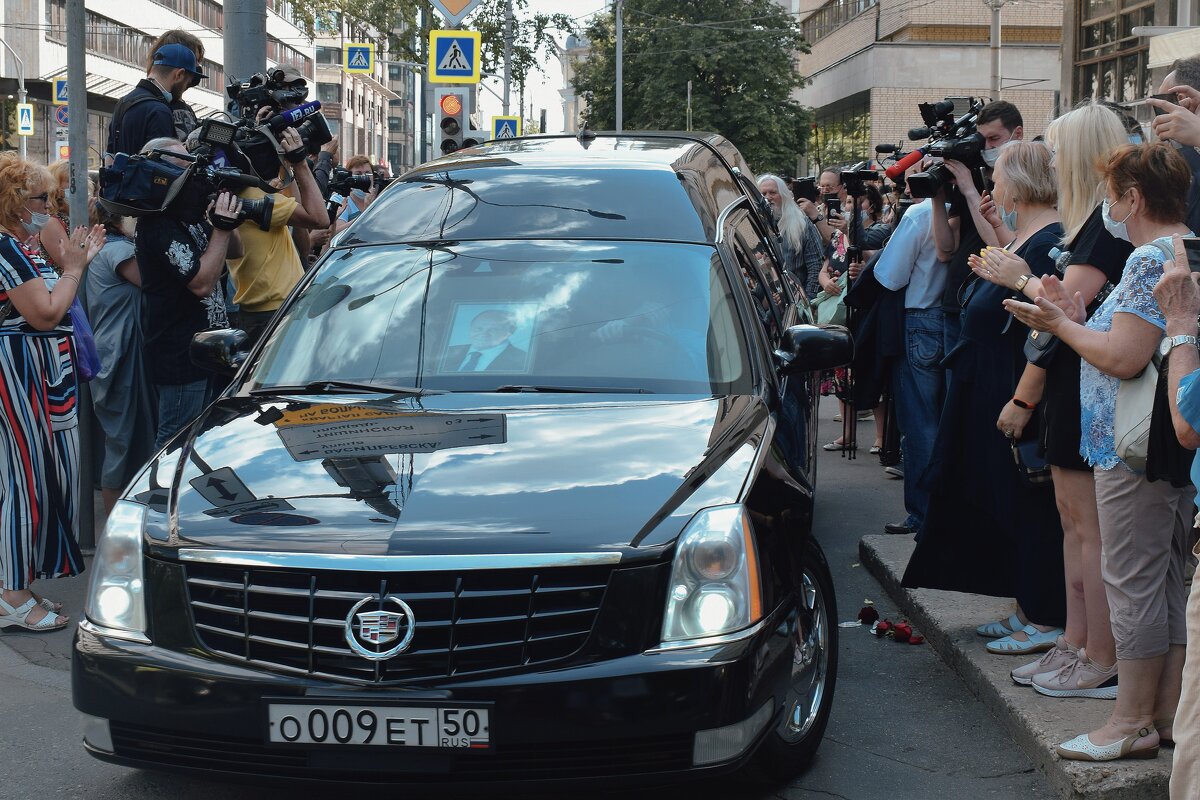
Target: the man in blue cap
(146, 113)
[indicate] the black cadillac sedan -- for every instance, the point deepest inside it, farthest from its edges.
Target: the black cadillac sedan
(518, 486)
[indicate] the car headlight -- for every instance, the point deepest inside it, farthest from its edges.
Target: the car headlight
(715, 587)
(116, 592)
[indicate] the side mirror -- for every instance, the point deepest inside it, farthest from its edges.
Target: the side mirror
(222, 351)
(809, 348)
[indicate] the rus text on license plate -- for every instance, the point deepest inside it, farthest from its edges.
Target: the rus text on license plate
(395, 726)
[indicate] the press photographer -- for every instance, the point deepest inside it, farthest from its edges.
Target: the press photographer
(356, 184)
(271, 265)
(181, 252)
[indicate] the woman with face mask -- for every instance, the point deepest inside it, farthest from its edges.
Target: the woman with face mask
(1083, 661)
(987, 529)
(1144, 524)
(39, 440)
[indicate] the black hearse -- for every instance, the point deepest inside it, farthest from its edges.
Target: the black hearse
(517, 487)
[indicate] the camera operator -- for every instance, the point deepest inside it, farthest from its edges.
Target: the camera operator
(271, 266)
(359, 198)
(181, 257)
(148, 112)
(185, 118)
(972, 221)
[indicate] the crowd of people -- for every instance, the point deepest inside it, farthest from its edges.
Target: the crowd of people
(1036, 326)
(142, 287)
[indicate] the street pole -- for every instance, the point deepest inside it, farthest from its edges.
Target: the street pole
(77, 203)
(425, 90)
(24, 95)
(508, 43)
(689, 107)
(245, 38)
(995, 6)
(620, 9)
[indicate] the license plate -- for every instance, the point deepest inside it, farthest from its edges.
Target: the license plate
(453, 728)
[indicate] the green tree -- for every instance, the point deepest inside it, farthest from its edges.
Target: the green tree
(531, 32)
(739, 56)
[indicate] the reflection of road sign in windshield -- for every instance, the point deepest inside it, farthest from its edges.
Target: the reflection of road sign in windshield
(356, 436)
(222, 487)
(454, 56)
(506, 127)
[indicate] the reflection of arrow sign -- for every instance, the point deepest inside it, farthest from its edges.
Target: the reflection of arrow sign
(222, 492)
(484, 436)
(222, 487)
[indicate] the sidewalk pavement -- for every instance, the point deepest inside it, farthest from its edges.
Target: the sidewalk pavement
(1036, 723)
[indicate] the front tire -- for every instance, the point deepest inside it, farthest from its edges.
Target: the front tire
(790, 746)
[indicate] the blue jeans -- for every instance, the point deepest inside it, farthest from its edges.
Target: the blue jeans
(918, 384)
(178, 405)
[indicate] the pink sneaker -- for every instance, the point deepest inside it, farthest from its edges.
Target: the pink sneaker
(1052, 661)
(1081, 678)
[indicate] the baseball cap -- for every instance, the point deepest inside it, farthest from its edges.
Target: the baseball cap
(178, 56)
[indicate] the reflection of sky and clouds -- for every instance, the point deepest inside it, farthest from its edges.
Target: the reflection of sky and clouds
(569, 478)
(616, 314)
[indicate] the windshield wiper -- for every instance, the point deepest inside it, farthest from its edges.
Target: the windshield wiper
(518, 387)
(338, 387)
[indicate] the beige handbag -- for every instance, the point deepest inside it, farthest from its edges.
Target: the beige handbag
(1131, 422)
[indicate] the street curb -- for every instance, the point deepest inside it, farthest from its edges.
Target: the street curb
(1036, 723)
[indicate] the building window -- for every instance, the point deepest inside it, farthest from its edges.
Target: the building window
(281, 53)
(842, 132)
(1110, 62)
(329, 55)
(832, 16)
(395, 72)
(396, 124)
(329, 92)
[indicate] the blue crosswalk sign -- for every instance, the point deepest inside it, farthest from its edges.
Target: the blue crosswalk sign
(506, 127)
(25, 119)
(454, 56)
(359, 58)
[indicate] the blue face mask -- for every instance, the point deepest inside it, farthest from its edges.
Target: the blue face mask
(358, 194)
(1009, 218)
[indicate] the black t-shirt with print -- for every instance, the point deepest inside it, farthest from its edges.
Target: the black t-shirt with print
(168, 256)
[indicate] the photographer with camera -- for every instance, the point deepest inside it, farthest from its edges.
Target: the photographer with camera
(359, 179)
(148, 112)
(181, 256)
(271, 266)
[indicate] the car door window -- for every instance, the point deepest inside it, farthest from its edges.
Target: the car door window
(755, 240)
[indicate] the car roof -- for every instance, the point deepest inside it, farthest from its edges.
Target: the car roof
(647, 186)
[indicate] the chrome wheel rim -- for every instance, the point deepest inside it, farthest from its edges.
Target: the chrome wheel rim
(810, 663)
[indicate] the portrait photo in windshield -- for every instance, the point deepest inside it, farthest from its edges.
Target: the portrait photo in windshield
(490, 337)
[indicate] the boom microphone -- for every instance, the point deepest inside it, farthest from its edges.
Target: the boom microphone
(895, 171)
(885, 148)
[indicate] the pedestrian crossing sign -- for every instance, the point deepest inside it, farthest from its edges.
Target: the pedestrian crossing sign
(454, 57)
(359, 57)
(25, 119)
(60, 91)
(506, 127)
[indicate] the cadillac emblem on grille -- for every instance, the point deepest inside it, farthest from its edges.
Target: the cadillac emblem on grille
(368, 631)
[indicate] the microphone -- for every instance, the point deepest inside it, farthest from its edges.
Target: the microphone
(919, 133)
(291, 117)
(896, 170)
(885, 148)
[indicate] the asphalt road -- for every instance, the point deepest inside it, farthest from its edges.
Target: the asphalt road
(903, 726)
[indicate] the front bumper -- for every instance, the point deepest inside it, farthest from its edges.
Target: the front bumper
(634, 717)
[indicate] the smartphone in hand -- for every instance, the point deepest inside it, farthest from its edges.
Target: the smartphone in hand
(833, 204)
(1191, 244)
(1170, 98)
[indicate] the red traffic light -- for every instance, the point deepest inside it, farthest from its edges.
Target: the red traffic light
(451, 104)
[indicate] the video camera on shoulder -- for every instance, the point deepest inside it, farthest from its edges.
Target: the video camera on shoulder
(806, 189)
(949, 137)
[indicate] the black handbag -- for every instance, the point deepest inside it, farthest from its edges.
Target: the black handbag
(1032, 468)
(1040, 345)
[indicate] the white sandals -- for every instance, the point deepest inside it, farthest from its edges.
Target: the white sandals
(19, 618)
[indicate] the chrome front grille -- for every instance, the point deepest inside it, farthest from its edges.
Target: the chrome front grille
(467, 622)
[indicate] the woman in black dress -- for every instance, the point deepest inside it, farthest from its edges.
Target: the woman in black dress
(1091, 263)
(987, 531)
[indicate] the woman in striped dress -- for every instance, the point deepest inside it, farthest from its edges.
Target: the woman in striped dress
(39, 440)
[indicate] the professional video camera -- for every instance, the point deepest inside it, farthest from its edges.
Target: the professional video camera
(343, 181)
(854, 180)
(949, 137)
(268, 88)
(149, 183)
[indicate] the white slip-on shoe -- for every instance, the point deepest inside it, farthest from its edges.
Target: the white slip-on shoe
(1082, 748)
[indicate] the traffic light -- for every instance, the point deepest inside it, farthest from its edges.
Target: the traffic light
(452, 119)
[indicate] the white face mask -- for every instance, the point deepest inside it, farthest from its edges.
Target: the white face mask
(36, 222)
(1119, 230)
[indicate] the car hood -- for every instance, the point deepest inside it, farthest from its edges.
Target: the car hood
(452, 474)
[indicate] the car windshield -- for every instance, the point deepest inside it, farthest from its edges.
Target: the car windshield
(514, 316)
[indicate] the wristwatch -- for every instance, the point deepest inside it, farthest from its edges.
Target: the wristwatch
(1169, 343)
(1021, 281)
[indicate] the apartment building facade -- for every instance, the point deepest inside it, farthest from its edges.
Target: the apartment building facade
(872, 61)
(118, 40)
